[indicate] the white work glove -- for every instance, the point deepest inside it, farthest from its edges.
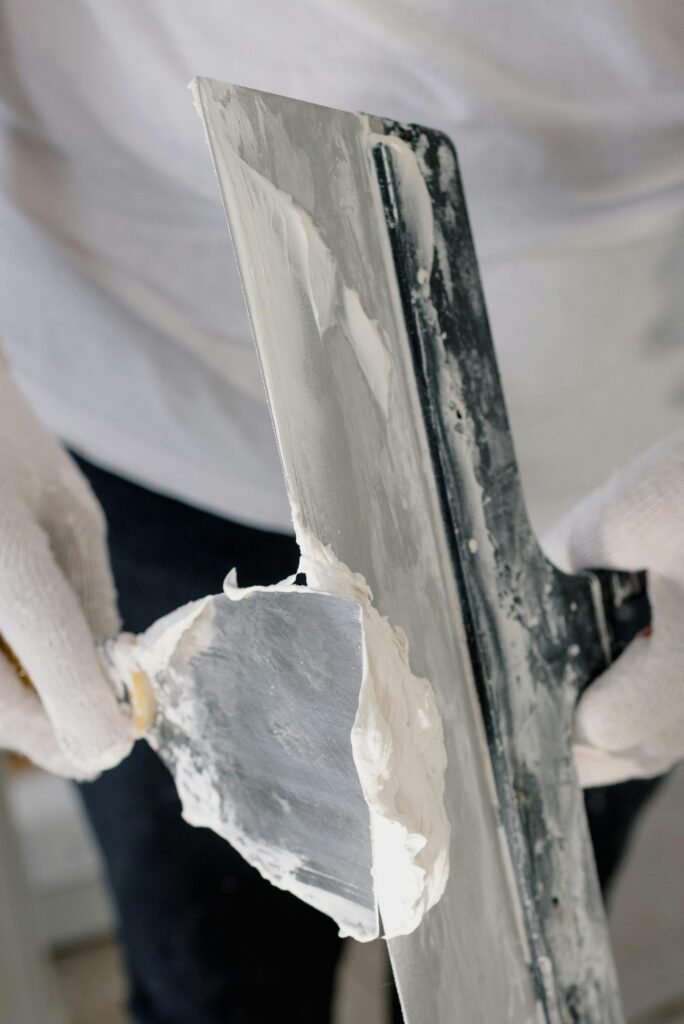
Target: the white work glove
(630, 722)
(56, 593)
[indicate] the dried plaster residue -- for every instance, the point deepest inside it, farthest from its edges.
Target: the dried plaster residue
(398, 748)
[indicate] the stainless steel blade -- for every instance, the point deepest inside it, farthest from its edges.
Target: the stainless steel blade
(397, 454)
(255, 705)
(361, 478)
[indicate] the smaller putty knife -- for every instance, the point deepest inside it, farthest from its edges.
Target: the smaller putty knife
(255, 696)
(249, 697)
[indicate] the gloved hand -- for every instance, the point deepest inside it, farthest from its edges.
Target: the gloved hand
(56, 592)
(630, 722)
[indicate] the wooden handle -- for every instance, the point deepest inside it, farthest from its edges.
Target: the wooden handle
(138, 692)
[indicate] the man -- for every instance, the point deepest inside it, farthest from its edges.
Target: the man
(124, 325)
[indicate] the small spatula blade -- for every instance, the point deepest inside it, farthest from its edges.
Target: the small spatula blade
(255, 706)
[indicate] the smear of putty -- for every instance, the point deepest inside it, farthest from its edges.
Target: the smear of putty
(399, 753)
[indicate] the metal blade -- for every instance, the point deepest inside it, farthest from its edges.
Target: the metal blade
(358, 470)
(361, 280)
(256, 704)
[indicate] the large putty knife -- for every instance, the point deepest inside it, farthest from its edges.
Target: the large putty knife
(361, 280)
(250, 697)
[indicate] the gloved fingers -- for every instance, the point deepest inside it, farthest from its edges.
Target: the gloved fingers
(26, 729)
(599, 768)
(630, 722)
(77, 531)
(557, 544)
(634, 521)
(42, 621)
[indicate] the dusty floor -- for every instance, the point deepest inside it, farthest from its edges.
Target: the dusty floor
(647, 922)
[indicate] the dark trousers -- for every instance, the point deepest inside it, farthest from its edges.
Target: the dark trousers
(206, 940)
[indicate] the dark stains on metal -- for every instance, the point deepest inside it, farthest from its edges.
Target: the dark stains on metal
(536, 636)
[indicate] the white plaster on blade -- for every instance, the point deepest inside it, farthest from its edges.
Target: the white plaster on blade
(344, 201)
(167, 649)
(369, 348)
(397, 744)
(151, 651)
(397, 739)
(580, 912)
(416, 211)
(398, 747)
(284, 869)
(399, 752)
(334, 306)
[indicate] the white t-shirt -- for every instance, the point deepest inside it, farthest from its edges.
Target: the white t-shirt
(119, 298)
